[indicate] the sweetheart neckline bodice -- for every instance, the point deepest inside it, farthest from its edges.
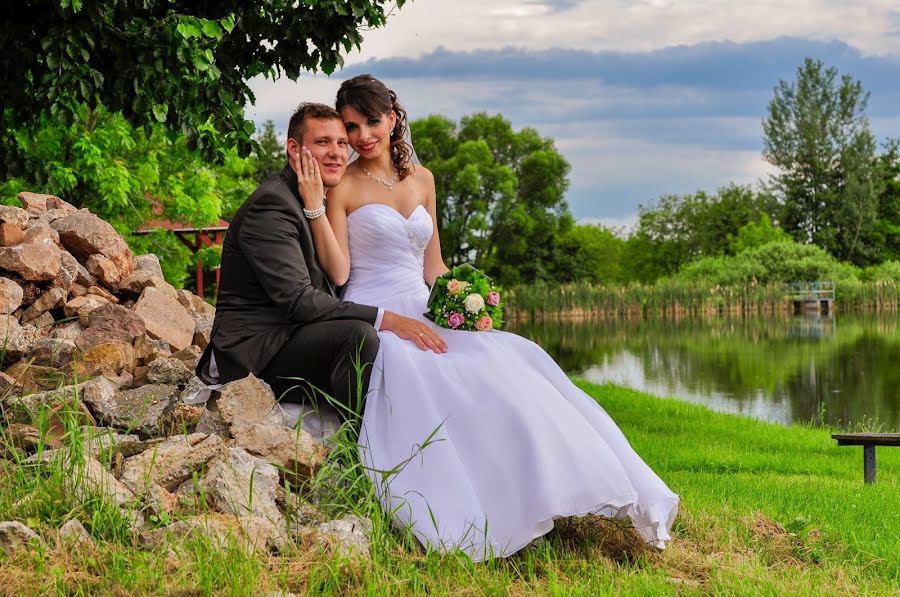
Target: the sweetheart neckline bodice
(396, 211)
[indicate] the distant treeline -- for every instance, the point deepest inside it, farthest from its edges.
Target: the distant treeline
(832, 211)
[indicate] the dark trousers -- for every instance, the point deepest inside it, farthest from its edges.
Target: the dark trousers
(334, 357)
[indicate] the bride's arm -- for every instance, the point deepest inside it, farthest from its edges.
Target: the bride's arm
(330, 230)
(434, 263)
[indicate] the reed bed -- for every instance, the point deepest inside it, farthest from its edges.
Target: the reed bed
(674, 298)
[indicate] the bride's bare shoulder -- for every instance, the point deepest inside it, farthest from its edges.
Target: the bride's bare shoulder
(423, 175)
(423, 171)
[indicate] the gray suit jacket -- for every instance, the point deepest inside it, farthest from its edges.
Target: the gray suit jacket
(270, 282)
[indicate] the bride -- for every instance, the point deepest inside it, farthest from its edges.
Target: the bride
(510, 443)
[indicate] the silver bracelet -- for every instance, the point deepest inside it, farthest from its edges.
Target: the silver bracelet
(312, 214)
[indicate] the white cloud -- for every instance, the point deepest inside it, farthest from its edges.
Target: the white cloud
(422, 26)
(686, 119)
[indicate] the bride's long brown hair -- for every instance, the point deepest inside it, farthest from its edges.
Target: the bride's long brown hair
(373, 99)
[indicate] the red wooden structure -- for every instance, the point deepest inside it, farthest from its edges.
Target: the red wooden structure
(193, 238)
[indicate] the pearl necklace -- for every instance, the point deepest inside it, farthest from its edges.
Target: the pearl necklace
(388, 183)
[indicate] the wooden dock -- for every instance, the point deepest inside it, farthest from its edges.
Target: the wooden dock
(811, 297)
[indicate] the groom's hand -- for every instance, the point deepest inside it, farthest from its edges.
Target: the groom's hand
(413, 330)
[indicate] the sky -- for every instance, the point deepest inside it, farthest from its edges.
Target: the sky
(643, 98)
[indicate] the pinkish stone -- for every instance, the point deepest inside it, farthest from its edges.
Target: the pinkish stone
(10, 235)
(36, 258)
(49, 300)
(34, 202)
(103, 269)
(14, 215)
(165, 318)
(83, 234)
(11, 295)
(110, 322)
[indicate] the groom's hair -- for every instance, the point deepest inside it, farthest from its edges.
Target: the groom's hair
(297, 124)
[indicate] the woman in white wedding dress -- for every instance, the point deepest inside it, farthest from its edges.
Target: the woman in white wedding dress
(514, 444)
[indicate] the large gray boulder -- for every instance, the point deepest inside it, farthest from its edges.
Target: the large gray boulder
(139, 410)
(148, 264)
(14, 536)
(222, 530)
(348, 535)
(73, 533)
(239, 483)
(168, 370)
(243, 402)
(294, 451)
(17, 340)
(171, 462)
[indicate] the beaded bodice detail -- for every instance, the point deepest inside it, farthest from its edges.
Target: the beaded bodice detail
(387, 250)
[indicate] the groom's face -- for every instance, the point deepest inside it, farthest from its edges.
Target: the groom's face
(326, 138)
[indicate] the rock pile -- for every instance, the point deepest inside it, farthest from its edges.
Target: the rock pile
(94, 334)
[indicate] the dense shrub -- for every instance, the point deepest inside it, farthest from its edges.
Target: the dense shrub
(771, 263)
(889, 270)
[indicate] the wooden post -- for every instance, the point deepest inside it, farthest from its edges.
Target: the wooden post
(869, 463)
(199, 267)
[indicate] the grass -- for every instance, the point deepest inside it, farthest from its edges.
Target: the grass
(765, 510)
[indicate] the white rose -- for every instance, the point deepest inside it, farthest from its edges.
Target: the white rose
(474, 303)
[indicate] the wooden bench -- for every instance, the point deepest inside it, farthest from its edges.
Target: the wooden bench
(868, 441)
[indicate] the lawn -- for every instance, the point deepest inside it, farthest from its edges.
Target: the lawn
(765, 509)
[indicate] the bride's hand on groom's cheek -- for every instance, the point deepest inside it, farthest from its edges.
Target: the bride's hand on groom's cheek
(421, 334)
(309, 178)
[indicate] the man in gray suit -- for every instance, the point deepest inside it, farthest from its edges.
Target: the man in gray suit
(277, 314)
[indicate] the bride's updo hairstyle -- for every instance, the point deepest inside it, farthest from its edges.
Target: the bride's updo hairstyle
(373, 99)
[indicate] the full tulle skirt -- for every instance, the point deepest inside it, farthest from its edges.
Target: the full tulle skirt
(481, 448)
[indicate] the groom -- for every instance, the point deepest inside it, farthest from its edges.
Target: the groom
(277, 314)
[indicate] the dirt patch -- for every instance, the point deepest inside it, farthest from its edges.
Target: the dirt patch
(796, 545)
(615, 539)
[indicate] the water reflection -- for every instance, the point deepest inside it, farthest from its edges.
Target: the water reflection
(842, 370)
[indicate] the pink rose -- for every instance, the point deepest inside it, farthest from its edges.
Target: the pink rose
(454, 320)
(455, 286)
(493, 298)
(484, 323)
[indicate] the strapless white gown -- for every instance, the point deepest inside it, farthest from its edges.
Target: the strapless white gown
(514, 443)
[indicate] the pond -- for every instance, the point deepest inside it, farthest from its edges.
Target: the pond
(842, 370)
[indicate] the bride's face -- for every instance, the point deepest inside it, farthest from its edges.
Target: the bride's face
(369, 136)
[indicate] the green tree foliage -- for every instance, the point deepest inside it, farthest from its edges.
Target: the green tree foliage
(500, 193)
(126, 177)
(184, 64)
(678, 229)
(269, 156)
(590, 253)
(756, 234)
(818, 136)
(884, 236)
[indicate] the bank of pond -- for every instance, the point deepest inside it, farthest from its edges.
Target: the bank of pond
(839, 370)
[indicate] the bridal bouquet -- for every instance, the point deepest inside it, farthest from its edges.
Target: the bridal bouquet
(465, 299)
